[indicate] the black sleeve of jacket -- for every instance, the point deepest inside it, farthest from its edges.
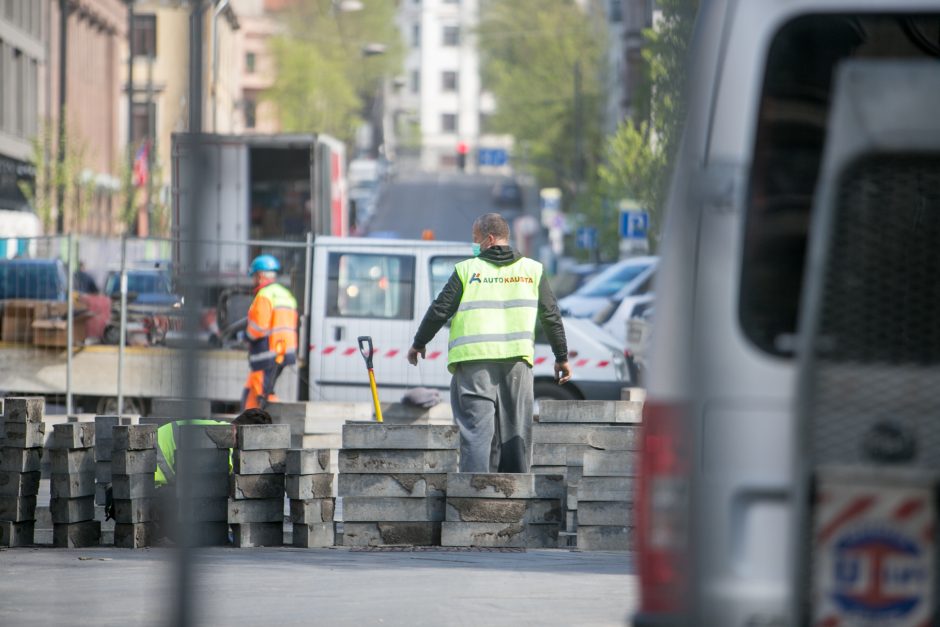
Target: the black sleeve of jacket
(440, 311)
(550, 318)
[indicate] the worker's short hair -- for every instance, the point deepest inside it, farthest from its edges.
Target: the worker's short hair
(253, 416)
(492, 224)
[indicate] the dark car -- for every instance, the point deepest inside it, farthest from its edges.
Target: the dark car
(507, 194)
(35, 279)
(144, 287)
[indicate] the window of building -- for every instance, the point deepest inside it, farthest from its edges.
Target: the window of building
(19, 90)
(449, 122)
(415, 81)
(371, 286)
(416, 35)
(449, 81)
(615, 11)
(144, 35)
(451, 35)
(3, 90)
(251, 112)
(144, 121)
(250, 61)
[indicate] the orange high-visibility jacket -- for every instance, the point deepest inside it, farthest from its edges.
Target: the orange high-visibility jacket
(272, 327)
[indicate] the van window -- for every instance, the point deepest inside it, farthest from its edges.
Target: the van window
(371, 286)
(441, 269)
(791, 133)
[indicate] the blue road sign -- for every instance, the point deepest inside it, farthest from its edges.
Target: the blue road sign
(634, 224)
(586, 237)
(492, 156)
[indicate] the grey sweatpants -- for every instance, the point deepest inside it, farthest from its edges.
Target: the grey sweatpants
(492, 404)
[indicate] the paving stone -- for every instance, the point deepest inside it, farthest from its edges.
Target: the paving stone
(307, 511)
(19, 483)
(43, 517)
(308, 461)
(332, 441)
(16, 533)
(261, 437)
(313, 535)
(133, 535)
(206, 436)
(72, 461)
(100, 494)
(255, 511)
(133, 510)
(392, 534)
(73, 435)
(590, 411)
(559, 454)
(139, 486)
(131, 462)
(400, 484)
(605, 489)
(604, 538)
(257, 486)
(303, 487)
(268, 462)
(17, 508)
(372, 435)
(209, 485)
(24, 408)
(199, 461)
(612, 513)
(103, 450)
(505, 485)
(397, 461)
(20, 459)
(25, 434)
(259, 534)
(529, 511)
(507, 535)
(617, 437)
(610, 464)
(181, 408)
(205, 510)
(71, 486)
(103, 472)
(76, 535)
(134, 437)
(549, 470)
(66, 511)
(374, 509)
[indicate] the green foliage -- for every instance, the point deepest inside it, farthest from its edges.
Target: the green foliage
(322, 76)
(531, 52)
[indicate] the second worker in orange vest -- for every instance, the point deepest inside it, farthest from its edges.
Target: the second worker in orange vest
(272, 332)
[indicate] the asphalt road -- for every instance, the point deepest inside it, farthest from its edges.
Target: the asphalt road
(446, 203)
(285, 587)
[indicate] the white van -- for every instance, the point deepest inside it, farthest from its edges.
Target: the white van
(729, 496)
(382, 288)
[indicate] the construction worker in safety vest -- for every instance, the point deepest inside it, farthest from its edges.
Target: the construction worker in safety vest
(272, 332)
(494, 300)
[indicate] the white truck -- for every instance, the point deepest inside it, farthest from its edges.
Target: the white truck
(359, 286)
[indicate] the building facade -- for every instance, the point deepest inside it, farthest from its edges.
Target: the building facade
(255, 65)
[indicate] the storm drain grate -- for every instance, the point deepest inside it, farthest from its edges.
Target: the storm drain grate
(433, 549)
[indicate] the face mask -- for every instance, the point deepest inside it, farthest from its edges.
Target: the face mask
(476, 249)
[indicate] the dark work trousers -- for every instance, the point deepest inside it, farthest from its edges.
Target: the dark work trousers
(492, 404)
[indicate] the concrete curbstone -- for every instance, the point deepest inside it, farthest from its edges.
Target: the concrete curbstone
(76, 535)
(604, 538)
(71, 461)
(20, 459)
(396, 484)
(371, 435)
(308, 461)
(133, 437)
(616, 437)
(268, 462)
(138, 486)
(305, 487)
(605, 513)
(392, 509)
(24, 408)
(397, 461)
(496, 534)
(133, 462)
(610, 464)
(392, 534)
(17, 508)
(133, 510)
(68, 511)
(505, 485)
(611, 412)
(307, 511)
(255, 511)
(527, 511)
(257, 486)
(25, 435)
(73, 435)
(262, 437)
(71, 486)
(133, 535)
(19, 483)
(258, 534)
(312, 535)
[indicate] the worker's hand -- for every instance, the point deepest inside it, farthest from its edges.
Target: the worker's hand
(562, 372)
(413, 355)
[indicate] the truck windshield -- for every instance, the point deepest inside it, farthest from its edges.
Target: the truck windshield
(35, 280)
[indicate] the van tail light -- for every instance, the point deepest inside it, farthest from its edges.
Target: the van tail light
(662, 511)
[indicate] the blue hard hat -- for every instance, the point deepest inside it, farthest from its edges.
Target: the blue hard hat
(264, 263)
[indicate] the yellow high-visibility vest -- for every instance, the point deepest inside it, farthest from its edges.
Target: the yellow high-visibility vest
(497, 313)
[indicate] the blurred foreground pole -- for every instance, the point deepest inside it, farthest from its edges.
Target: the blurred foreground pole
(190, 236)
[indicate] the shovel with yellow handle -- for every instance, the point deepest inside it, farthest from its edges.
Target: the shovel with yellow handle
(367, 350)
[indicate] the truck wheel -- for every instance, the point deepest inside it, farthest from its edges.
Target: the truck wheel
(547, 390)
(111, 335)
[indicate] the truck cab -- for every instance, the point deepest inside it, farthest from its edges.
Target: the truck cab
(382, 288)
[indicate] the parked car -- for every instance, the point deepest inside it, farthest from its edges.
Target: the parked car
(622, 306)
(35, 279)
(587, 300)
(151, 286)
(569, 279)
(507, 194)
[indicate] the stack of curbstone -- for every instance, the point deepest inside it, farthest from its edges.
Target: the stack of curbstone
(103, 443)
(503, 510)
(309, 485)
(256, 508)
(72, 505)
(20, 462)
(392, 480)
(133, 464)
(203, 462)
(605, 501)
(567, 430)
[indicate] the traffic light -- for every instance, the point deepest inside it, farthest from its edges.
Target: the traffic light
(462, 150)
